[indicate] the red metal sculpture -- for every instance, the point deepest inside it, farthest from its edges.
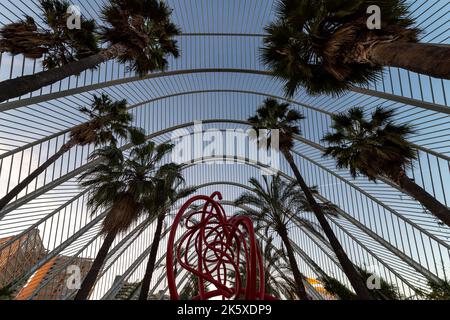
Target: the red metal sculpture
(226, 251)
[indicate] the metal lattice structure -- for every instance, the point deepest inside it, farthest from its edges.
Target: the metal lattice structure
(218, 79)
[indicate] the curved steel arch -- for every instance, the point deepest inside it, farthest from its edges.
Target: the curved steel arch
(74, 173)
(143, 103)
(296, 248)
(310, 143)
(178, 94)
(111, 292)
(115, 287)
(77, 171)
(395, 251)
(87, 227)
(315, 145)
(419, 268)
(242, 122)
(42, 98)
(348, 233)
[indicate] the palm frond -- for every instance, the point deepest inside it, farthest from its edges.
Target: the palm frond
(373, 147)
(144, 28)
(273, 115)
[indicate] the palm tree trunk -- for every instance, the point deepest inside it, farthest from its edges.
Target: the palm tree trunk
(25, 182)
(91, 277)
(348, 267)
(298, 277)
(151, 260)
(429, 59)
(22, 85)
(427, 200)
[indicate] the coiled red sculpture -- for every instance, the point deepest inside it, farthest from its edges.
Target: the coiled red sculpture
(227, 259)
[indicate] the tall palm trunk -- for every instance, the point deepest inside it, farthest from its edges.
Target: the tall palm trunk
(427, 200)
(22, 85)
(151, 260)
(25, 182)
(429, 59)
(298, 277)
(348, 267)
(91, 277)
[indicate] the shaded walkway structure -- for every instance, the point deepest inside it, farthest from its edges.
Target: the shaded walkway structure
(220, 81)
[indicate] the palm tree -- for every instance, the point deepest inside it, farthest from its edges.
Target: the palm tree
(337, 289)
(122, 185)
(167, 192)
(273, 115)
(234, 275)
(108, 122)
(386, 291)
(277, 273)
(56, 44)
(327, 46)
(278, 279)
(439, 291)
(276, 203)
(6, 293)
(378, 148)
(138, 32)
(191, 288)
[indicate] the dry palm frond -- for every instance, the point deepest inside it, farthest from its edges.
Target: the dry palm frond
(24, 38)
(55, 41)
(85, 133)
(124, 211)
(108, 121)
